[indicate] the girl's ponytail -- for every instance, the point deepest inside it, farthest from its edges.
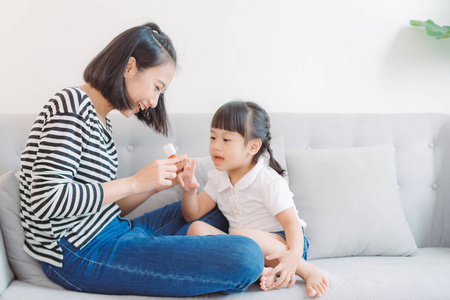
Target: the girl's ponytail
(273, 163)
(259, 128)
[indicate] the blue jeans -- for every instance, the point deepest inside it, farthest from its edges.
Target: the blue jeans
(148, 256)
(305, 242)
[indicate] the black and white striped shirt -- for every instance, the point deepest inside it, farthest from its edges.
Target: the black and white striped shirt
(68, 155)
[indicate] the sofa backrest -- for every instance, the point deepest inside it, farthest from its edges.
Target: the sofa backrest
(422, 143)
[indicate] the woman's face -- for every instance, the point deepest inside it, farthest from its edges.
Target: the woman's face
(145, 87)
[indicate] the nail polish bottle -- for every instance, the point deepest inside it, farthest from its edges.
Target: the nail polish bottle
(169, 150)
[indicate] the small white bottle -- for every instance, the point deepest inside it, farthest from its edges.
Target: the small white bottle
(169, 150)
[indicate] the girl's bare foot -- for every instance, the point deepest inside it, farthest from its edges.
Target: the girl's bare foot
(315, 278)
(266, 282)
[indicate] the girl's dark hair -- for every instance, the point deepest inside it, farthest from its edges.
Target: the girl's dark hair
(150, 47)
(252, 122)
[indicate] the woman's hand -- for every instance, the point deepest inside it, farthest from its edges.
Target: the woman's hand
(158, 175)
(177, 180)
(187, 177)
(288, 261)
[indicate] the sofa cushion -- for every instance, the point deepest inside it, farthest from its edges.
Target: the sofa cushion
(24, 266)
(349, 198)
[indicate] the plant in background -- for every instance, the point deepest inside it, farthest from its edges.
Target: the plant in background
(439, 32)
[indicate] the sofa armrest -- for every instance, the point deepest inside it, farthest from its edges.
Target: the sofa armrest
(6, 275)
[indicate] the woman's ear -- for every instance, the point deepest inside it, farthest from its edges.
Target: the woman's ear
(255, 145)
(131, 68)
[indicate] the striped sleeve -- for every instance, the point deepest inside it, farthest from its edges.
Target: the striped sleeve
(55, 194)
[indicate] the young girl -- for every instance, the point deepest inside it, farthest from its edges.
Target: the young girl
(253, 196)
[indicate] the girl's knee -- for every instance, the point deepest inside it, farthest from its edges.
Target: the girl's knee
(240, 231)
(196, 228)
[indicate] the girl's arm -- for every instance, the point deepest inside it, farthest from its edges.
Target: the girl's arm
(193, 206)
(293, 230)
(288, 260)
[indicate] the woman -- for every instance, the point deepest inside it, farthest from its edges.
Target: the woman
(73, 206)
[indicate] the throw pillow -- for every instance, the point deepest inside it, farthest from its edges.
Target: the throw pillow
(25, 267)
(349, 198)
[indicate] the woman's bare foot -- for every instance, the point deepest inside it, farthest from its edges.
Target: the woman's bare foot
(315, 278)
(266, 282)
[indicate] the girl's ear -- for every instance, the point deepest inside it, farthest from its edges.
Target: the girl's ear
(254, 146)
(131, 68)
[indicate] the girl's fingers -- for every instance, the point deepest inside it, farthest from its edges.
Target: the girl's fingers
(285, 281)
(292, 282)
(274, 271)
(180, 181)
(280, 280)
(188, 163)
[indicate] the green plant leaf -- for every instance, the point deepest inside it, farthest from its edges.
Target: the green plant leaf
(433, 30)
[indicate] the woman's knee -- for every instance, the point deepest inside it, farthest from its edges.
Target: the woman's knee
(249, 258)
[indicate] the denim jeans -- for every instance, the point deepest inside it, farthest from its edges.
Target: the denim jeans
(305, 242)
(149, 256)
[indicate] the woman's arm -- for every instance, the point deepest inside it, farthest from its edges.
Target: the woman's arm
(132, 191)
(129, 203)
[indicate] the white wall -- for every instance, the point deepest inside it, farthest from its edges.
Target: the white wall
(299, 56)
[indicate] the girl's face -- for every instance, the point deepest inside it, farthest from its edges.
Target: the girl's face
(228, 150)
(145, 87)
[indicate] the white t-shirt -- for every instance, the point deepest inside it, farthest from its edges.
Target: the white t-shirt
(255, 199)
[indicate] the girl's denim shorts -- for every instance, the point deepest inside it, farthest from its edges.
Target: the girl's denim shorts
(305, 242)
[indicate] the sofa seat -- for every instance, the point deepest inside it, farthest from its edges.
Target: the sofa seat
(377, 279)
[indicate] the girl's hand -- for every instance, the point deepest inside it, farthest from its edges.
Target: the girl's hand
(288, 261)
(187, 177)
(157, 176)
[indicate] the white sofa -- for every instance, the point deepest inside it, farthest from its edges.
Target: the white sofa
(372, 188)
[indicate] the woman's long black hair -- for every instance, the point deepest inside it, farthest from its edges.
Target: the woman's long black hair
(151, 47)
(252, 122)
